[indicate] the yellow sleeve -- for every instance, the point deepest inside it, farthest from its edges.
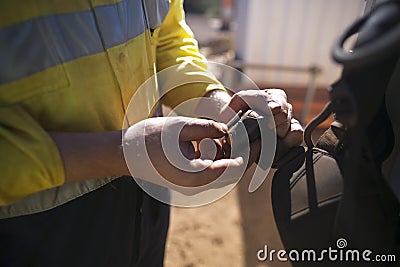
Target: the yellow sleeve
(176, 46)
(29, 159)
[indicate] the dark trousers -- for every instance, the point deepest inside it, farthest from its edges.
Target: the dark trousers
(115, 225)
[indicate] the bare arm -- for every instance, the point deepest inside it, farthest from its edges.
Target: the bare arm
(90, 155)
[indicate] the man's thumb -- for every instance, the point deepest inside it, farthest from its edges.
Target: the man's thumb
(197, 129)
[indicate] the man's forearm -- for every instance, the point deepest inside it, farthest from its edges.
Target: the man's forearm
(90, 155)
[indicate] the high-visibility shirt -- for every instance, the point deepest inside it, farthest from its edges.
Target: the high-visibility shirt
(73, 66)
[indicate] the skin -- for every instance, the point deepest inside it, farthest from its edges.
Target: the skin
(98, 155)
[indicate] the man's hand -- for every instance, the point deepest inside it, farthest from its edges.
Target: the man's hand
(162, 148)
(287, 128)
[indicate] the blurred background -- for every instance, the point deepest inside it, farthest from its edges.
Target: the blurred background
(278, 44)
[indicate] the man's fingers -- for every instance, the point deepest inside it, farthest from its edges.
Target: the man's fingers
(255, 150)
(277, 101)
(253, 99)
(197, 129)
(281, 118)
(283, 129)
(230, 169)
(274, 93)
(275, 107)
(283, 121)
(212, 170)
(210, 149)
(295, 135)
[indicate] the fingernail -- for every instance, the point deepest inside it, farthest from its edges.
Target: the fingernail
(223, 126)
(239, 160)
(254, 114)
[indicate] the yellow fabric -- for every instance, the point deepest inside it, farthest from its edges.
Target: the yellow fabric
(180, 47)
(87, 94)
(14, 11)
(25, 147)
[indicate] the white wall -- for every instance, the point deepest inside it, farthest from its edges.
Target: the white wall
(292, 33)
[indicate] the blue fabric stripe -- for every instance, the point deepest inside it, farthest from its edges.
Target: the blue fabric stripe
(113, 22)
(72, 35)
(40, 43)
(156, 11)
